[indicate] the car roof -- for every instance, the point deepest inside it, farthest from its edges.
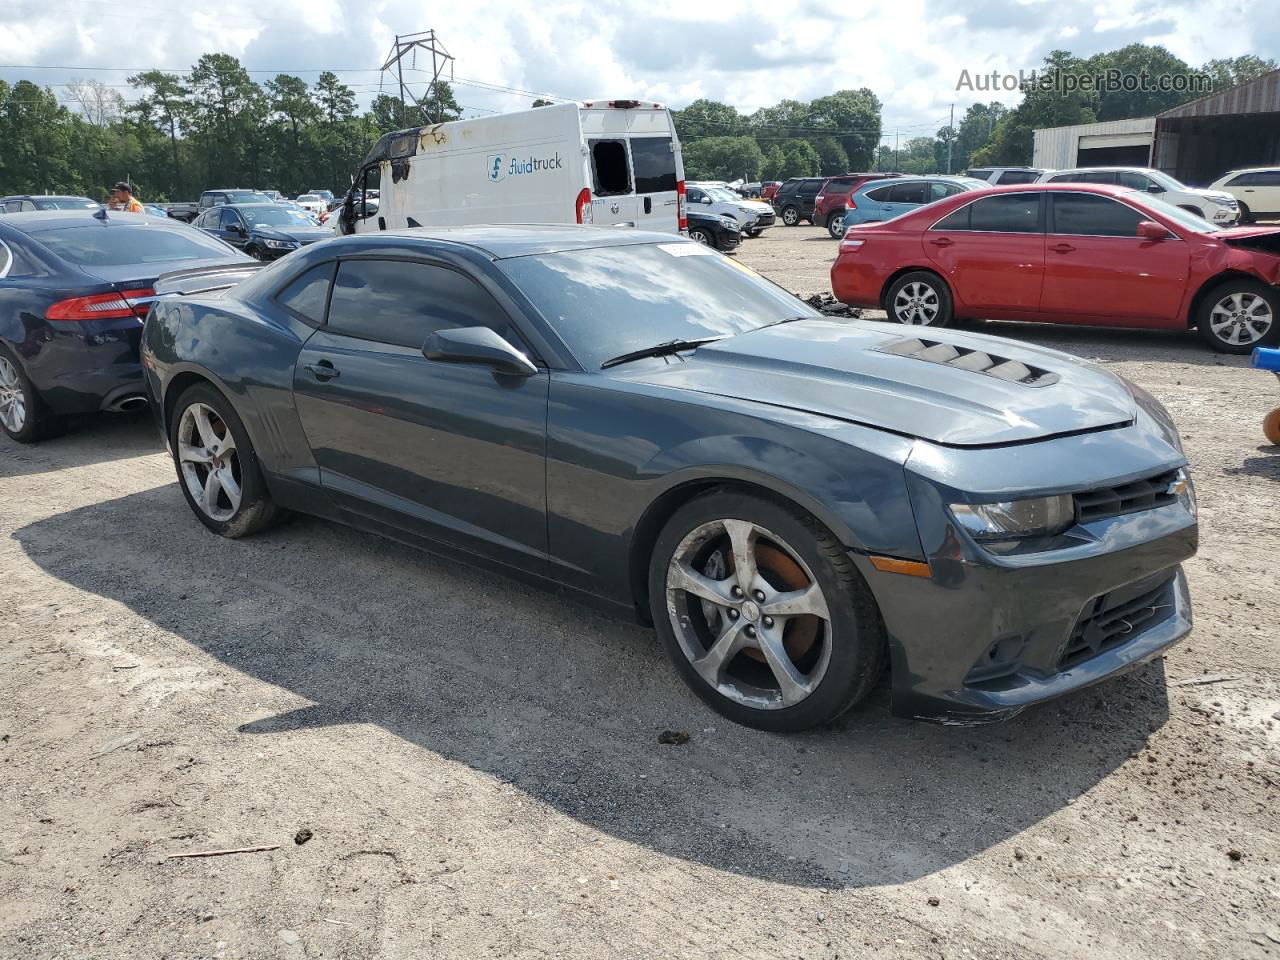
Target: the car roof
(40, 220)
(1230, 173)
(501, 241)
(241, 206)
(46, 196)
(1104, 169)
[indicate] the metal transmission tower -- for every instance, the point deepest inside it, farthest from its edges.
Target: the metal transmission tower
(429, 107)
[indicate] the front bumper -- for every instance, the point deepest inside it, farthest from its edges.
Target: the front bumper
(764, 220)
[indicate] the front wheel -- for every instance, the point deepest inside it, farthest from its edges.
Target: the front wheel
(217, 468)
(919, 298)
(835, 226)
(699, 235)
(23, 415)
(790, 216)
(1238, 316)
(763, 613)
(1246, 215)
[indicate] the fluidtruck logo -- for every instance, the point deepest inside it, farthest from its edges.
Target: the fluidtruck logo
(500, 166)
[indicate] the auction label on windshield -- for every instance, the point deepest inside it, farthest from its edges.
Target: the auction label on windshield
(686, 249)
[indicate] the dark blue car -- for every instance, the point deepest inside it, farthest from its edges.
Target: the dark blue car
(794, 502)
(265, 231)
(74, 290)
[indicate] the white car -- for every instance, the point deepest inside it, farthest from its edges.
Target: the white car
(1257, 189)
(1218, 207)
(1001, 176)
(752, 216)
(312, 203)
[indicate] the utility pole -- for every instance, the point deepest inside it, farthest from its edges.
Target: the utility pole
(897, 164)
(410, 44)
(951, 135)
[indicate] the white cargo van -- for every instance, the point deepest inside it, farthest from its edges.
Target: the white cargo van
(601, 162)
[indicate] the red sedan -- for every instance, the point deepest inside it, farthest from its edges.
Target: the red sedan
(1067, 253)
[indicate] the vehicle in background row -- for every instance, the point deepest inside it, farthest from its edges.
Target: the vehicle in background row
(1256, 189)
(185, 211)
(325, 195)
(997, 533)
(73, 291)
(752, 216)
(833, 199)
(1215, 206)
(607, 162)
(313, 203)
(1067, 253)
(27, 202)
(714, 230)
(265, 231)
(768, 188)
(875, 201)
(275, 196)
(155, 210)
(1002, 176)
(793, 201)
(216, 198)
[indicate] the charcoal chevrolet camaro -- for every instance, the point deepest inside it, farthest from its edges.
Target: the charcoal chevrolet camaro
(796, 503)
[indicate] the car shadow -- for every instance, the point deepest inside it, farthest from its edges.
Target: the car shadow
(1266, 466)
(566, 706)
(88, 439)
(1114, 344)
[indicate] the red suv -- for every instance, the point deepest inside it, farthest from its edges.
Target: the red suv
(829, 204)
(1067, 253)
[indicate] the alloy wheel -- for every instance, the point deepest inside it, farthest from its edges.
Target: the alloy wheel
(916, 303)
(836, 225)
(748, 614)
(209, 462)
(699, 236)
(1240, 319)
(791, 216)
(13, 400)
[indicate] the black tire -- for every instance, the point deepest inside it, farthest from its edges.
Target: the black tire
(37, 422)
(1227, 338)
(835, 225)
(931, 293)
(254, 252)
(256, 510)
(791, 216)
(1246, 215)
(700, 235)
(755, 233)
(851, 643)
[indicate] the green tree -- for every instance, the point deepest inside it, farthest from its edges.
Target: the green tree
(1232, 71)
(709, 118)
(775, 161)
(541, 102)
(37, 135)
(1042, 106)
(223, 98)
(1134, 60)
(975, 131)
(722, 158)
(831, 156)
(164, 105)
(800, 160)
(853, 116)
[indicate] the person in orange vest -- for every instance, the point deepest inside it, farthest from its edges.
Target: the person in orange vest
(123, 200)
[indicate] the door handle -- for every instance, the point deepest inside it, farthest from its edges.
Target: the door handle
(648, 204)
(324, 370)
(1061, 248)
(942, 241)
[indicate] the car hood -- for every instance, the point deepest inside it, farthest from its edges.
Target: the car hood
(1218, 196)
(926, 383)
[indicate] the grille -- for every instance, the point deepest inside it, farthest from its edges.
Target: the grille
(1117, 617)
(977, 361)
(1132, 497)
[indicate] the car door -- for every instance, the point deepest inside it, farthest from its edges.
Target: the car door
(991, 252)
(653, 161)
(611, 183)
(1097, 266)
(1260, 191)
(903, 197)
(453, 452)
(230, 227)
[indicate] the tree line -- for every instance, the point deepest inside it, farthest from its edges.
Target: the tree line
(212, 127)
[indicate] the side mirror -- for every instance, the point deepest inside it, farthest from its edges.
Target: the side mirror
(1150, 230)
(477, 345)
(706, 200)
(1154, 188)
(236, 228)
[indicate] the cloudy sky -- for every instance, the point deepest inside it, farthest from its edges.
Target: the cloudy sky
(751, 54)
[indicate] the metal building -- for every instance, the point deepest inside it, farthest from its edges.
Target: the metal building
(1196, 142)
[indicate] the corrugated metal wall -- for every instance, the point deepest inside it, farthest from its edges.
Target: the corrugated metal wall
(1056, 147)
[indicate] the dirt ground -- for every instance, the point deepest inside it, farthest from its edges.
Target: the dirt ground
(478, 768)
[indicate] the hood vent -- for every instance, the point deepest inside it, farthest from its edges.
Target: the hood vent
(977, 361)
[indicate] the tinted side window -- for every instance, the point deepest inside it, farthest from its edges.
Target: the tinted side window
(1018, 176)
(839, 184)
(1008, 213)
(308, 294)
(392, 301)
(809, 188)
(939, 190)
(229, 218)
(980, 174)
(609, 168)
(1085, 214)
(879, 194)
(1243, 180)
(655, 164)
(1135, 181)
(908, 192)
(1268, 178)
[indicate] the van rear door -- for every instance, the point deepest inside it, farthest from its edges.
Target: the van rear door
(654, 162)
(611, 185)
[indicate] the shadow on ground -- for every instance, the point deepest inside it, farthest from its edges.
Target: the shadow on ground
(87, 440)
(540, 693)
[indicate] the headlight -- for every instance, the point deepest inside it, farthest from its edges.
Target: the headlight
(1016, 519)
(1185, 490)
(729, 223)
(281, 244)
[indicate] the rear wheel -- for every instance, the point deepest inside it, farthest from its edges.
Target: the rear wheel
(763, 613)
(23, 415)
(217, 468)
(835, 225)
(919, 298)
(1239, 315)
(790, 216)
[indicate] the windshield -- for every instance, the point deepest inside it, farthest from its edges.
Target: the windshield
(1164, 180)
(308, 198)
(274, 216)
(612, 300)
(242, 196)
(721, 193)
(116, 246)
(1183, 218)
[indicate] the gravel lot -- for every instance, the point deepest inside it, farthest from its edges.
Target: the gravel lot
(478, 762)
